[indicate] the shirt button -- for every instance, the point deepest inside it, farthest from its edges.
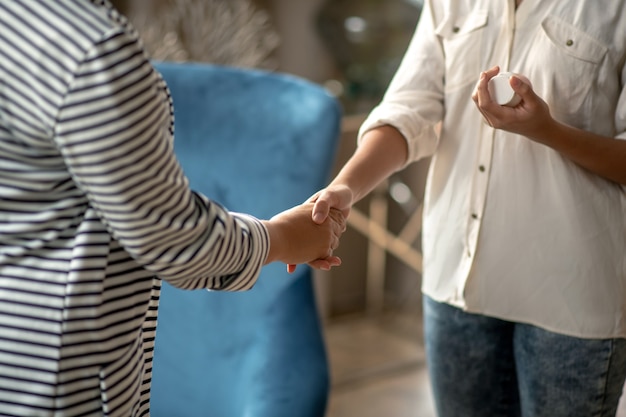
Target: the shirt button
(456, 29)
(474, 216)
(481, 168)
(569, 42)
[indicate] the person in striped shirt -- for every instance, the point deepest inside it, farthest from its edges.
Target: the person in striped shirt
(95, 210)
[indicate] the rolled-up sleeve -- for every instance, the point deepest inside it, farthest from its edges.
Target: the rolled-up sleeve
(413, 102)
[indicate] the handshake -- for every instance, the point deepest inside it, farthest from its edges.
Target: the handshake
(296, 239)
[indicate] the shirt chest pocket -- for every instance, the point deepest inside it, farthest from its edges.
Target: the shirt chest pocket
(572, 42)
(576, 59)
(462, 40)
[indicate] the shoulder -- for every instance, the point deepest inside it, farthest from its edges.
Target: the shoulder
(67, 28)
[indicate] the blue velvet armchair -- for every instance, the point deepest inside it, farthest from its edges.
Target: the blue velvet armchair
(256, 142)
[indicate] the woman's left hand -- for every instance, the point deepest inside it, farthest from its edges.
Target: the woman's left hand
(530, 117)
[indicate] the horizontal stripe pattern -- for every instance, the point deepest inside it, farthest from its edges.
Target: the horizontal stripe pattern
(94, 207)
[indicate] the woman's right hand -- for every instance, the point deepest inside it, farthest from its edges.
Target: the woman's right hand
(338, 197)
(295, 238)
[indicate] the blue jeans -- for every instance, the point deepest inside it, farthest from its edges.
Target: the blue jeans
(485, 367)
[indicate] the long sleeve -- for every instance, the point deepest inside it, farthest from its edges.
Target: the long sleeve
(93, 206)
(114, 132)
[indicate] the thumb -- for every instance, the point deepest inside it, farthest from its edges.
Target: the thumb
(522, 87)
(321, 208)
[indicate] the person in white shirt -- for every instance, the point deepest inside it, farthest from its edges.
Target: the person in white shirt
(524, 234)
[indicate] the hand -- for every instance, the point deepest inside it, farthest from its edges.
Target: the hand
(296, 238)
(531, 117)
(338, 197)
(327, 201)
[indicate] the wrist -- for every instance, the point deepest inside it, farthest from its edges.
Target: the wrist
(275, 241)
(549, 134)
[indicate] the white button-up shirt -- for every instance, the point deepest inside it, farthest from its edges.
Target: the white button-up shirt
(512, 229)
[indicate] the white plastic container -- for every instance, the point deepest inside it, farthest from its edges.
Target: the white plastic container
(501, 91)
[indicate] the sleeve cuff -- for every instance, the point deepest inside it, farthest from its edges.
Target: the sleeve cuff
(419, 134)
(258, 248)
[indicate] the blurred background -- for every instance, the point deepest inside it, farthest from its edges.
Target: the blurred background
(371, 305)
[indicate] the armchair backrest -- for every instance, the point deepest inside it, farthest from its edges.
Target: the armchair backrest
(256, 142)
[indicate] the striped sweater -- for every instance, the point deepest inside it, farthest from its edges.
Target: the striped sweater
(94, 211)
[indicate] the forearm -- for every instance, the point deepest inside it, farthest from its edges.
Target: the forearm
(382, 152)
(601, 155)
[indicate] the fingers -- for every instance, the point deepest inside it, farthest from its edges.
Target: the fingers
(334, 197)
(334, 244)
(339, 221)
(528, 115)
(336, 226)
(325, 264)
(332, 261)
(481, 94)
(501, 115)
